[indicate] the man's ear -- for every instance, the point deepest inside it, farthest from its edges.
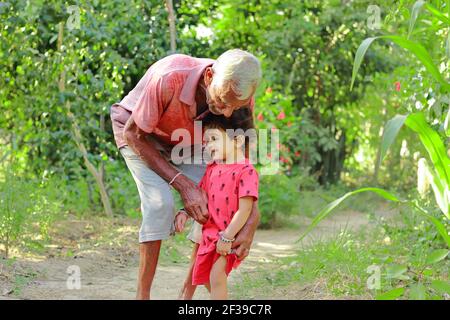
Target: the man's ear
(208, 76)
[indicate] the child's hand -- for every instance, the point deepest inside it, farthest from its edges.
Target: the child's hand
(223, 248)
(180, 220)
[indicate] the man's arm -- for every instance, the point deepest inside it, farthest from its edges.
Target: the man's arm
(244, 238)
(194, 198)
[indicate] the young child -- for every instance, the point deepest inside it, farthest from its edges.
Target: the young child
(231, 183)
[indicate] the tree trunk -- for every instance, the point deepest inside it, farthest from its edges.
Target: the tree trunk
(173, 32)
(79, 139)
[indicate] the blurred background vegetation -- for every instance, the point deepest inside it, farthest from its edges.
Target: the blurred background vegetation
(329, 139)
(328, 133)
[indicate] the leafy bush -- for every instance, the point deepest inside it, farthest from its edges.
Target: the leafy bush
(438, 173)
(278, 196)
(27, 208)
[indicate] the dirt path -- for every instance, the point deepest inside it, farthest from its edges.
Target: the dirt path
(108, 266)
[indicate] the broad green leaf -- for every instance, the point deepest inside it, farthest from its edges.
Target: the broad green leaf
(391, 130)
(438, 224)
(447, 118)
(322, 214)
(418, 292)
(415, 48)
(438, 14)
(441, 286)
(439, 158)
(433, 10)
(437, 255)
(396, 271)
(414, 14)
(360, 53)
(391, 295)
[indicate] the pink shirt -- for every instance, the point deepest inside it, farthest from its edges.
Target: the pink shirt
(163, 100)
(224, 185)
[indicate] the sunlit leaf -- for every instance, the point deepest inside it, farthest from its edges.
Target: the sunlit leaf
(414, 14)
(438, 224)
(322, 214)
(418, 292)
(438, 155)
(437, 255)
(391, 295)
(360, 53)
(390, 132)
(415, 48)
(441, 286)
(396, 271)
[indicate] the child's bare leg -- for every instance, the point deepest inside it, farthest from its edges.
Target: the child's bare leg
(188, 290)
(218, 280)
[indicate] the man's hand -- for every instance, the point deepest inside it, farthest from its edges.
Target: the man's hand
(194, 199)
(244, 238)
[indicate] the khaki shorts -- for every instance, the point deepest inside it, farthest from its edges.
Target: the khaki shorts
(157, 203)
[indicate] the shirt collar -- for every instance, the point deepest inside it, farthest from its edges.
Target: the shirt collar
(189, 89)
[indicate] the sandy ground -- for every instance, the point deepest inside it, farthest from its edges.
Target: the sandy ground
(108, 265)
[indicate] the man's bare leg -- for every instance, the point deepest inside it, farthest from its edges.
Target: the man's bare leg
(188, 290)
(148, 260)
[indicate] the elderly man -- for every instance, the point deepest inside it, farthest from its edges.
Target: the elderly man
(174, 92)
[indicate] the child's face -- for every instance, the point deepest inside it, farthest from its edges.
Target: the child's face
(219, 146)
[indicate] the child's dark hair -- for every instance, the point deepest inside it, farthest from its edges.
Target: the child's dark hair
(240, 119)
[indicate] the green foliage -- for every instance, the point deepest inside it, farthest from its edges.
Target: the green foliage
(278, 196)
(305, 73)
(103, 59)
(433, 144)
(27, 208)
(345, 263)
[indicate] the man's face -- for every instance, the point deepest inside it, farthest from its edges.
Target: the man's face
(222, 101)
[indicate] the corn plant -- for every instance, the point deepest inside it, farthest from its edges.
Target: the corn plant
(439, 170)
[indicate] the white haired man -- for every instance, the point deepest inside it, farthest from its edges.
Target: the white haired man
(174, 92)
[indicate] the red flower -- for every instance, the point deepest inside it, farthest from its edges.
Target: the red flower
(289, 124)
(397, 85)
(269, 90)
(281, 116)
(269, 155)
(260, 117)
(273, 129)
(297, 153)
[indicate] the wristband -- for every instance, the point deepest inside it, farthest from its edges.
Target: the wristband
(226, 240)
(173, 179)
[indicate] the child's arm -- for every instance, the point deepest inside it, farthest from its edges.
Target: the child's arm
(237, 222)
(180, 220)
(239, 218)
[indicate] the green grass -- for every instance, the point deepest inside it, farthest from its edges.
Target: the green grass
(340, 265)
(176, 249)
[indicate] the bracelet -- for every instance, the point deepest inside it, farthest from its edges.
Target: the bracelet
(173, 179)
(226, 240)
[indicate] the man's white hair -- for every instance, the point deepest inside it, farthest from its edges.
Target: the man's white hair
(239, 69)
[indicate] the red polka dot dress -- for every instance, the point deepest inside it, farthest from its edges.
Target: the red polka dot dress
(224, 185)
